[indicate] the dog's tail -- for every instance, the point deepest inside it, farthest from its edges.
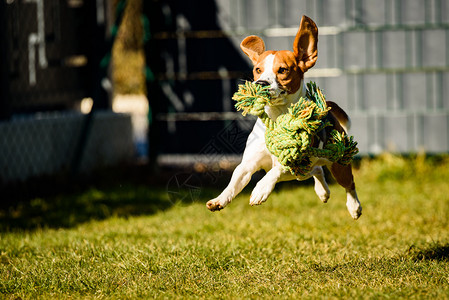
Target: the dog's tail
(340, 115)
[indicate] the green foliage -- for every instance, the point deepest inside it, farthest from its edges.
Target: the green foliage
(388, 167)
(128, 71)
(134, 243)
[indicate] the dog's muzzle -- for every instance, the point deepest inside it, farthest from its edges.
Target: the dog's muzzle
(263, 83)
(276, 93)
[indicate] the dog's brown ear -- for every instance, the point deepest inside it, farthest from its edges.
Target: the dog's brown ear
(253, 46)
(305, 45)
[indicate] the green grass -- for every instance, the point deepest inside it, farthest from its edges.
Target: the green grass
(131, 242)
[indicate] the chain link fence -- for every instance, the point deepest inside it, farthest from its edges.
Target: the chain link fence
(56, 53)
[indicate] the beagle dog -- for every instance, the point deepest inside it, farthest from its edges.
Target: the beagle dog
(283, 71)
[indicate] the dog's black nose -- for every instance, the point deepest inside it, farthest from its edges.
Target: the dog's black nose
(263, 82)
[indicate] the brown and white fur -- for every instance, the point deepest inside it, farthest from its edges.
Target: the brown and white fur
(284, 72)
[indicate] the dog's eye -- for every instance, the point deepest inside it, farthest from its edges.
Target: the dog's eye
(282, 70)
(258, 70)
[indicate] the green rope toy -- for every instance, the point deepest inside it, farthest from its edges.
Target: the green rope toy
(290, 137)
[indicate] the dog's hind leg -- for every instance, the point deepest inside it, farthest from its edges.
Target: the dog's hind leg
(321, 187)
(343, 175)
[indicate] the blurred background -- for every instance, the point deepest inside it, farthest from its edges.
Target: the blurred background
(91, 84)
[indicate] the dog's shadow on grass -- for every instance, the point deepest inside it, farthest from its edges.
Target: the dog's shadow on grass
(60, 203)
(68, 210)
(432, 252)
(53, 203)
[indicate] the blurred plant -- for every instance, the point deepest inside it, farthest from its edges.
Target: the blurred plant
(389, 166)
(127, 52)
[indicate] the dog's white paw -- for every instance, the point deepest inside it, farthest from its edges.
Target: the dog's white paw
(353, 204)
(259, 195)
(214, 205)
(322, 192)
(354, 209)
(218, 203)
(323, 197)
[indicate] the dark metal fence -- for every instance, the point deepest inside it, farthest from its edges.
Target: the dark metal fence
(51, 50)
(385, 62)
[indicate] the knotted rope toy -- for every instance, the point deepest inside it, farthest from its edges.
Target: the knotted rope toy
(290, 137)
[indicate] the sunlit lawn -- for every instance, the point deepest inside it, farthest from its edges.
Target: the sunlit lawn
(132, 242)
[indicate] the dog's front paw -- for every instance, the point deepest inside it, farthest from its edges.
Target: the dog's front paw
(259, 195)
(214, 205)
